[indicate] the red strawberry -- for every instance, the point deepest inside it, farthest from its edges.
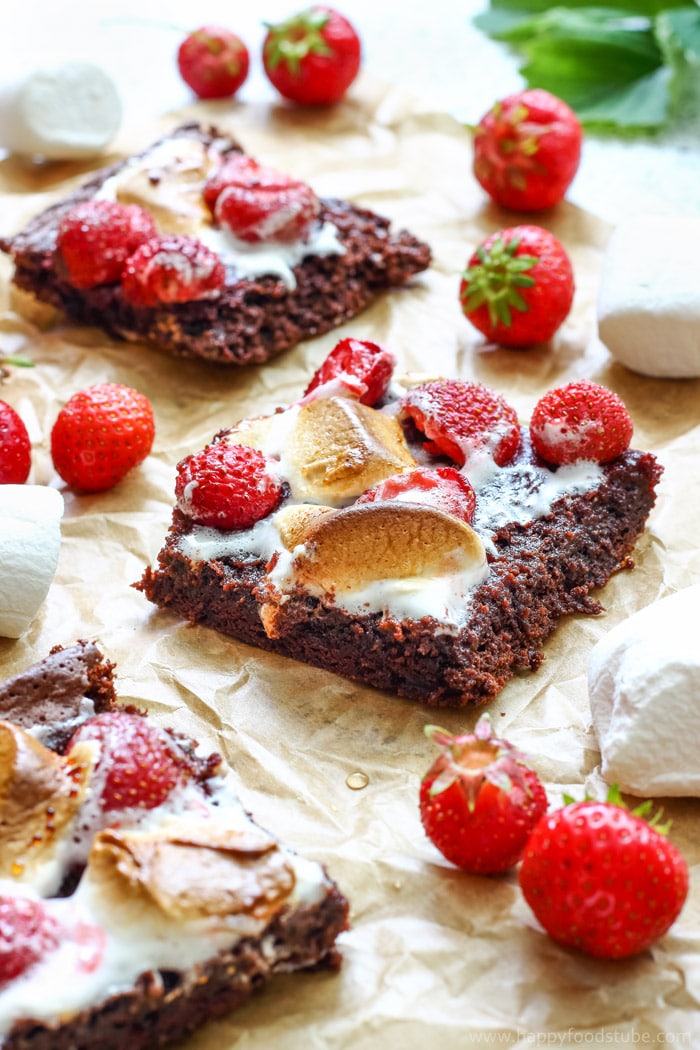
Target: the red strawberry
(100, 434)
(27, 932)
(313, 57)
(172, 269)
(15, 447)
(138, 763)
(97, 237)
(459, 418)
(227, 486)
(238, 169)
(518, 286)
(443, 488)
(213, 61)
(581, 420)
(479, 801)
(258, 204)
(527, 149)
(602, 879)
(361, 367)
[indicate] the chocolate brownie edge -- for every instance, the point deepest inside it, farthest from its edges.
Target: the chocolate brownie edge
(165, 1007)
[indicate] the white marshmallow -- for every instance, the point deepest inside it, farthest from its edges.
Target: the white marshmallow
(30, 540)
(649, 298)
(644, 689)
(70, 111)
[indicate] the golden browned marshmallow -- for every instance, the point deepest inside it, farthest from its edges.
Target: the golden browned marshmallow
(168, 183)
(40, 792)
(378, 541)
(340, 447)
(293, 521)
(188, 870)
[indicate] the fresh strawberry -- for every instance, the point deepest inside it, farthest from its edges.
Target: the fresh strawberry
(443, 488)
(227, 486)
(313, 57)
(238, 170)
(138, 764)
(213, 61)
(259, 204)
(480, 800)
(362, 368)
(602, 879)
(15, 447)
(172, 269)
(100, 434)
(459, 418)
(96, 237)
(518, 286)
(527, 149)
(27, 933)
(581, 420)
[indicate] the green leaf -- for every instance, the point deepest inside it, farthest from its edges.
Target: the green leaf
(638, 7)
(678, 36)
(629, 68)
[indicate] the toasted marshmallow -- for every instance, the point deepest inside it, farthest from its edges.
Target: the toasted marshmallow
(168, 183)
(643, 683)
(40, 794)
(190, 870)
(649, 298)
(293, 521)
(406, 561)
(71, 111)
(30, 540)
(330, 450)
(340, 448)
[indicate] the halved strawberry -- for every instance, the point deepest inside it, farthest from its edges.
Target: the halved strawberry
(258, 204)
(138, 764)
(363, 368)
(227, 486)
(459, 418)
(581, 420)
(443, 488)
(479, 801)
(172, 269)
(96, 237)
(27, 933)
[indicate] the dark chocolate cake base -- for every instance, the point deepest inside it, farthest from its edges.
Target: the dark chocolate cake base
(539, 573)
(253, 319)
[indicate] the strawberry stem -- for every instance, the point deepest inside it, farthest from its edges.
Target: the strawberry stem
(496, 278)
(292, 40)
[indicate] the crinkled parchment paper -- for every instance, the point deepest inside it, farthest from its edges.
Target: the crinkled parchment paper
(434, 956)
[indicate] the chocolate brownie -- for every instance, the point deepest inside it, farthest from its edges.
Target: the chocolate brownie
(354, 257)
(370, 591)
(181, 910)
(53, 696)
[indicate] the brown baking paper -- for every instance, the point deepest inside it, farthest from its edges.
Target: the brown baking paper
(434, 956)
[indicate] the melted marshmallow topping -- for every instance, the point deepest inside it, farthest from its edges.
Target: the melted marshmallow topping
(168, 183)
(330, 450)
